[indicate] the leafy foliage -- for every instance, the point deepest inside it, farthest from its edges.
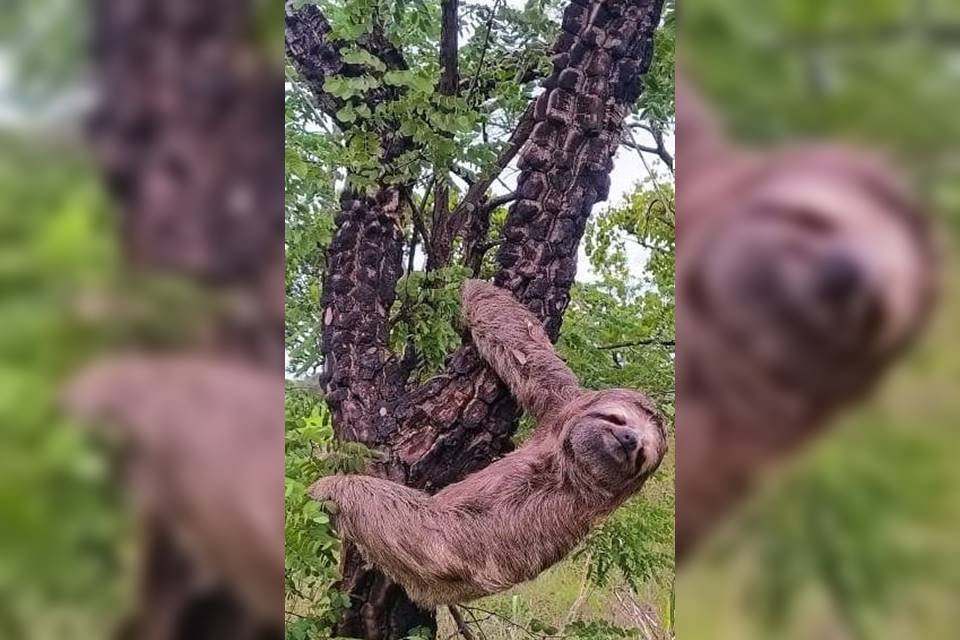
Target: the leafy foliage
(425, 315)
(62, 568)
(844, 529)
(638, 542)
(312, 547)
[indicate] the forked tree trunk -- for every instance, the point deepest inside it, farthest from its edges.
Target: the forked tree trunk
(462, 419)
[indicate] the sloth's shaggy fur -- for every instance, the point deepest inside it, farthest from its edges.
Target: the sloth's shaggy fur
(508, 522)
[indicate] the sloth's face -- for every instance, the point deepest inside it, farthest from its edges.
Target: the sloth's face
(811, 277)
(615, 438)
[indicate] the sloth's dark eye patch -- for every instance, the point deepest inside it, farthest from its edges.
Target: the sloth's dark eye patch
(808, 220)
(804, 219)
(613, 418)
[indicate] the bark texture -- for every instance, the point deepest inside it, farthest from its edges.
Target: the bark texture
(188, 131)
(462, 419)
(185, 96)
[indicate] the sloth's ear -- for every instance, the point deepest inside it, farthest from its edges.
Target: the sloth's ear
(515, 345)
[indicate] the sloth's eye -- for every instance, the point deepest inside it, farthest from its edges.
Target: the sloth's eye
(614, 418)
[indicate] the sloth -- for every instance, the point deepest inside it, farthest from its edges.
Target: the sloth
(211, 538)
(508, 522)
(802, 272)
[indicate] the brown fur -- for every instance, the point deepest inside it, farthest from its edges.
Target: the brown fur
(508, 522)
(202, 443)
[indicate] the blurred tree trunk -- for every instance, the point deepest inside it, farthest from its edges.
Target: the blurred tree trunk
(463, 418)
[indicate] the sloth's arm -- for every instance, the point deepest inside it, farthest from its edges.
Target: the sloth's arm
(704, 142)
(369, 509)
(404, 532)
(514, 343)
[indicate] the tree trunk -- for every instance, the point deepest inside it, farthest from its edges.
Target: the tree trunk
(462, 419)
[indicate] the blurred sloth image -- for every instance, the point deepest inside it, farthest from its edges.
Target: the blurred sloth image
(508, 522)
(801, 273)
(198, 440)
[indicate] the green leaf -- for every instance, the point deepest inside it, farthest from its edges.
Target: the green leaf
(346, 114)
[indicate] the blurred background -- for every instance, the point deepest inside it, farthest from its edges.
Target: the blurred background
(78, 163)
(856, 537)
(61, 537)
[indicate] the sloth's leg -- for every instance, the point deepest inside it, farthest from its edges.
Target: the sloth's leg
(400, 530)
(514, 343)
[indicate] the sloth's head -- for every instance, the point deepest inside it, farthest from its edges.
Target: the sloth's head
(612, 439)
(817, 264)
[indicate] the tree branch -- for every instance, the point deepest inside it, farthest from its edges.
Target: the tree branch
(471, 218)
(443, 232)
(365, 257)
(416, 214)
(479, 189)
(318, 58)
(499, 201)
(449, 53)
(660, 150)
(483, 51)
(638, 343)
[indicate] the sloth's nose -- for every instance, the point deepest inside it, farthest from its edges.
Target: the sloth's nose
(627, 439)
(838, 278)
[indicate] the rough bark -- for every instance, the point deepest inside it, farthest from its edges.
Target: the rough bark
(462, 419)
(364, 265)
(188, 132)
(317, 57)
(365, 255)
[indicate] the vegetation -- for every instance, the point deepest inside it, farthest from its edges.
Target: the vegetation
(61, 561)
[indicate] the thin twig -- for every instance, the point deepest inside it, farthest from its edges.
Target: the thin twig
(419, 226)
(667, 202)
(505, 619)
(476, 622)
(483, 51)
(639, 343)
(499, 201)
(461, 624)
(582, 593)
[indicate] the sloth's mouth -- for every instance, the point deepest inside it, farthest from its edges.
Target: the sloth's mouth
(635, 459)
